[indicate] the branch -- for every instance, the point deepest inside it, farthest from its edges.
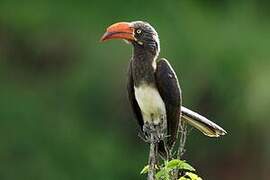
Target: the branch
(152, 159)
(182, 132)
(183, 138)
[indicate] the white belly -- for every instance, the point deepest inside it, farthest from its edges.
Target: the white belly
(151, 104)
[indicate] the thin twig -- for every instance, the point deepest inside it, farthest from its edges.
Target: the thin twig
(182, 134)
(183, 138)
(152, 159)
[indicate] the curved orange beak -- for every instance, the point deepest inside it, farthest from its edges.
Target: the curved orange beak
(121, 30)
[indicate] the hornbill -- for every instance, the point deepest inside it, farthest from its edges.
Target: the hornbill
(153, 87)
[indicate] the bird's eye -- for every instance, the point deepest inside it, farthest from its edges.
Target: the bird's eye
(138, 31)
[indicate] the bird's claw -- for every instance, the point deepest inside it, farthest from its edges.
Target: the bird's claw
(153, 133)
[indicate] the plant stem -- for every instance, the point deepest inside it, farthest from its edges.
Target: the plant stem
(181, 148)
(152, 159)
(183, 138)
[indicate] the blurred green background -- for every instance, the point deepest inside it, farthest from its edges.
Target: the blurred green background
(64, 113)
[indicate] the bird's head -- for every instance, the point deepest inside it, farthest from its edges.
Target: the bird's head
(140, 34)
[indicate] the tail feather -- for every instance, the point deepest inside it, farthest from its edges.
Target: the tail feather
(201, 123)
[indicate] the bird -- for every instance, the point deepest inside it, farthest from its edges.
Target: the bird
(153, 87)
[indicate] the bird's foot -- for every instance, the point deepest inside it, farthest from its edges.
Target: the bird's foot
(153, 133)
(142, 136)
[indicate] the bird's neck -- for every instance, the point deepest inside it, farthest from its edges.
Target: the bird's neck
(143, 66)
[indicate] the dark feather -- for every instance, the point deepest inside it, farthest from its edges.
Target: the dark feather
(131, 95)
(170, 92)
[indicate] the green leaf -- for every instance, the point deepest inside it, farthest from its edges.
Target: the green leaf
(173, 164)
(145, 169)
(179, 164)
(190, 176)
(184, 178)
(184, 165)
(163, 174)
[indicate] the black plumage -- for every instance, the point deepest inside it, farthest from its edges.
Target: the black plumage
(169, 89)
(153, 88)
(170, 92)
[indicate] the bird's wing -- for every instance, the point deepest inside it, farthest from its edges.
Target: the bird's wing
(170, 92)
(203, 124)
(131, 95)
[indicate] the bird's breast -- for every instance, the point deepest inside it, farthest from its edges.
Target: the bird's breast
(150, 102)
